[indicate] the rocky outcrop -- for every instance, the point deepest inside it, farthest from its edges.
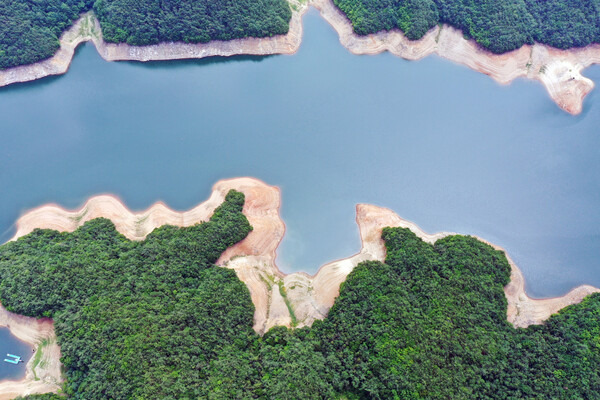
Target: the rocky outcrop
(295, 299)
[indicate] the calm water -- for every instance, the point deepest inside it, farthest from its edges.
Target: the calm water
(11, 345)
(440, 144)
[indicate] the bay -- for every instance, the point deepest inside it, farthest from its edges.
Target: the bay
(9, 344)
(443, 146)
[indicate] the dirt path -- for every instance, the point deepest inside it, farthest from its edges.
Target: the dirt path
(558, 70)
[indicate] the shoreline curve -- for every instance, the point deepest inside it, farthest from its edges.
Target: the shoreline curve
(292, 300)
(254, 258)
(559, 71)
(42, 376)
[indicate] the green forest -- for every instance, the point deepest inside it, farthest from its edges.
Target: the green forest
(30, 29)
(157, 320)
(498, 26)
(147, 22)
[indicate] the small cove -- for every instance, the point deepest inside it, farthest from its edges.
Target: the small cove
(9, 344)
(441, 145)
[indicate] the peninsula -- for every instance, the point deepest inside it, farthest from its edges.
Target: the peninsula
(460, 286)
(558, 70)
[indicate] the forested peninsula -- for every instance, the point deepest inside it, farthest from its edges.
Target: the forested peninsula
(156, 318)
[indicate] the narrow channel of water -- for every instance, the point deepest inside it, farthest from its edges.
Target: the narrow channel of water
(442, 145)
(9, 344)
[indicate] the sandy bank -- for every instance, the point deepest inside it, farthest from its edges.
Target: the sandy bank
(258, 249)
(87, 29)
(253, 259)
(558, 70)
(44, 375)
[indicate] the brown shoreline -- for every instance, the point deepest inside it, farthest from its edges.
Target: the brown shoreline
(46, 376)
(253, 259)
(87, 29)
(558, 70)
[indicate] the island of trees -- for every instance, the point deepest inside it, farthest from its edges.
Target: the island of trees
(30, 30)
(157, 320)
(498, 26)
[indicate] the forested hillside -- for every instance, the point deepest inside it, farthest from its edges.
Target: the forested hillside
(135, 320)
(30, 30)
(498, 26)
(431, 323)
(154, 320)
(149, 22)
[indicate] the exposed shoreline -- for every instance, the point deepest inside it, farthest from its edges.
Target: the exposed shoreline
(273, 292)
(558, 70)
(87, 29)
(45, 376)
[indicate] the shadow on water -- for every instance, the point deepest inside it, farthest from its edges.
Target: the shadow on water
(201, 62)
(35, 84)
(41, 82)
(154, 65)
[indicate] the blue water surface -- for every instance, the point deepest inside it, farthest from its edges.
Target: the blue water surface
(9, 344)
(443, 146)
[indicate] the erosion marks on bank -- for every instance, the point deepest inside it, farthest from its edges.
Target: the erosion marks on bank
(558, 70)
(293, 300)
(167, 323)
(43, 371)
(279, 299)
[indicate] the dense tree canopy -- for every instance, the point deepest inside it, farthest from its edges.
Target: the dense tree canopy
(154, 319)
(498, 26)
(149, 22)
(431, 323)
(30, 29)
(138, 320)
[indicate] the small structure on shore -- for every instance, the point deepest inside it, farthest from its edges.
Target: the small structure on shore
(13, 359)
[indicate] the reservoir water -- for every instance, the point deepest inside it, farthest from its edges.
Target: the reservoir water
(9, 344)
(443, 146)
